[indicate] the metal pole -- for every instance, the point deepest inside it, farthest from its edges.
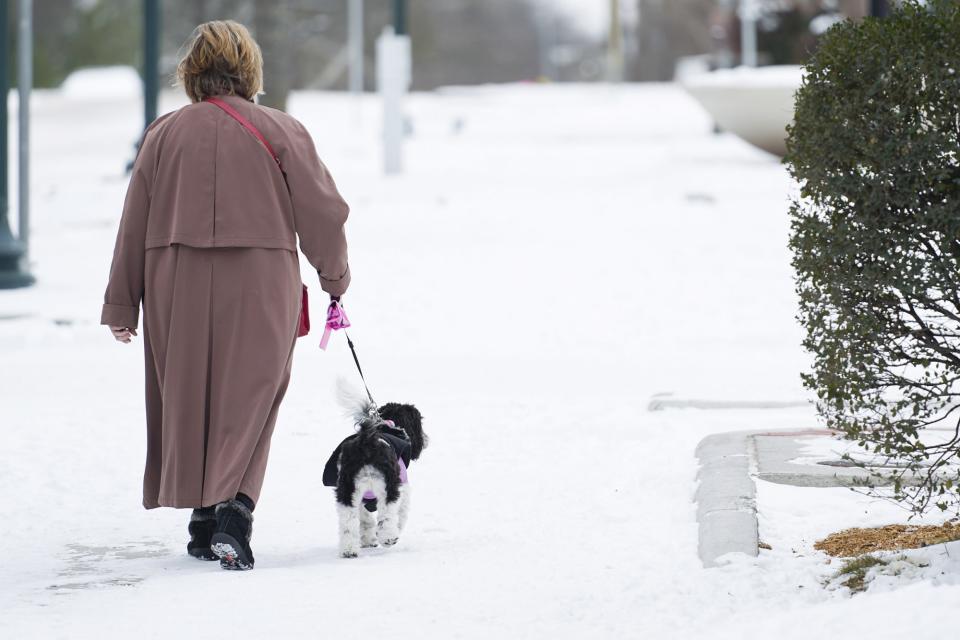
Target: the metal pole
(355, 20)
(725, 49)
(544, 41)
(24, 85)
(748, 33)
(615, 45)
(151, 57)
(400, 17)
(4, 145)
(879, 8)
(11, 273)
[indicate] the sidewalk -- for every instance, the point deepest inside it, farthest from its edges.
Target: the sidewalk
(553, 257)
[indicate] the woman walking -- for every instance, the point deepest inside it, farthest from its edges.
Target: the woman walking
(207, 243)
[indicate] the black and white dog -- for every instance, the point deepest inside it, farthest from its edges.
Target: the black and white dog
(369, 471)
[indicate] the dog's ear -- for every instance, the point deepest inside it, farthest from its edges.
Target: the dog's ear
(408, 417)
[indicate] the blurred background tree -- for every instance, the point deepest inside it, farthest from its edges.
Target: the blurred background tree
(72, 33)
(455, 41)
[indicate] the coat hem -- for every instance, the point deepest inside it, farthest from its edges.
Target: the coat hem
(184, 504)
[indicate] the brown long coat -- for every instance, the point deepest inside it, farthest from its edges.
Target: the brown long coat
(207, 243)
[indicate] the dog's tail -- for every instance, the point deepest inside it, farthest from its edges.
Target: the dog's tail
(357, 405)
(369, 434)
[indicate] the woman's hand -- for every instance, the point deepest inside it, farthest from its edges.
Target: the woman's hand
(123, 334)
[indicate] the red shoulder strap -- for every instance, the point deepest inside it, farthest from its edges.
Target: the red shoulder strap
(247, 125)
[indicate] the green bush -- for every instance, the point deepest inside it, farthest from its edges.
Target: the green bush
(875, 148)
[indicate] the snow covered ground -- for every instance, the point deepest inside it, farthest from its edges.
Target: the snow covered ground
(552, 258)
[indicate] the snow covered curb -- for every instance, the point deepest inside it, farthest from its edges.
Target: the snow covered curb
(726, 497)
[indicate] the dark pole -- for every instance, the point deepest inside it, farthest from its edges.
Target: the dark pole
(400, 17)
(4, 88)
(151, 59)
(11, 250)
(879, 8)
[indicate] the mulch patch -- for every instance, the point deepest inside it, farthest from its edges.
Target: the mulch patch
(893, 537)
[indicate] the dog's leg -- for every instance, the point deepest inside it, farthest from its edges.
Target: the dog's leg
(389, 522)
(349, 530)
(404, 508)
(368, 528)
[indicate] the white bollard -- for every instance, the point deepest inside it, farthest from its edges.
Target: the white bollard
(393, 81)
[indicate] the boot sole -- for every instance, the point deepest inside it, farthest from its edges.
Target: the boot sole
(203, 554)
(231, 554)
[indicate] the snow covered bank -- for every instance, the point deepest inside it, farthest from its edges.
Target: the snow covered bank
(755, 104)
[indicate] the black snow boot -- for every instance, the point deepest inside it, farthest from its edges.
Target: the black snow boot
(231, 541)
(203, 524)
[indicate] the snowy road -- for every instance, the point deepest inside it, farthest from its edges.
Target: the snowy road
(552, 258)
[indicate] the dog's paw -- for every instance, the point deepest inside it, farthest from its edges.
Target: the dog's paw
(389, 533)
(349, 553)
(368, 544)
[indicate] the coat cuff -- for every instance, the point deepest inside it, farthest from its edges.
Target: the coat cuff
(337, 286)
(118, 315)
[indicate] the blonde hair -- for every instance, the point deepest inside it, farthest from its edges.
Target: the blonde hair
(222, 59)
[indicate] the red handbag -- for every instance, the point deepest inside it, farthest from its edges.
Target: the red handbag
(303, 326)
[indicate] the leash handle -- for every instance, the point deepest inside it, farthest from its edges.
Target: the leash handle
(336, 320)
(359, 370)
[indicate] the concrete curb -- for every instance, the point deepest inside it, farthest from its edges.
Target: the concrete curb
(726, 494)
(726, 497)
